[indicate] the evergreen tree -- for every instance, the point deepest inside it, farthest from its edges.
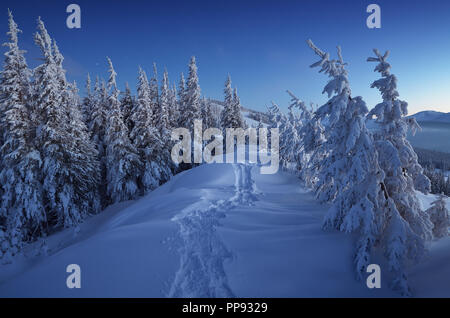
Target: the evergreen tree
(353, 178)
(97, 131)
(310, 136)
(207, 115)
(154, 94)
(239, 120)
(22, 213)
(408, 224)
(191, 110)
(122, 160)
(181, 99)
(403, 173)
(126, 106)
(331, 171)
(174, 111)
(147, 140)
(162, 116)
(276, 117)
(83, 166)
(227, 118)
(290, 151)
(88, 103)
(440, 216)
(53, 135)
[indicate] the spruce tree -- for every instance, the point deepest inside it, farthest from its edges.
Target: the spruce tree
(162, 115)
(290, 140)
(207, 115)
(83, 166)
(22, 212)
(191, 110)
(440, 216)
(331, 171)
(122, 160)
(239, 120)
(88, 102)
(353, 179)
(97, 131)
(53, 135)
(154, 94)
(181, 99)
(227, 118)
(174, 111)
(127, 105)
(408, 225)
(309, 132)
(147, 141)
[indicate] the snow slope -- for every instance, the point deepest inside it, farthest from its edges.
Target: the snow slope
(218, 230)
(434, 116)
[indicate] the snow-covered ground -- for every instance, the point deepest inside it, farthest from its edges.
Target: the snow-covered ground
(219, 230)
(433, 116)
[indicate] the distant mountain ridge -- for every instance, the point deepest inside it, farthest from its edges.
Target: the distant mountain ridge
(431, 115)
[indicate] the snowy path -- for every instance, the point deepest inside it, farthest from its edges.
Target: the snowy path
(202, 255)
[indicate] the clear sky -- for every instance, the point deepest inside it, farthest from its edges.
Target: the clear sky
(260, 43)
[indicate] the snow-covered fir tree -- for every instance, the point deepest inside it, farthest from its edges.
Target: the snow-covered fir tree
(361, 205)
(174, 110)
(88, 102)
(154, 94)
(299, 122)
(228, 119)
(398, 159)
(276, 117)
(163, 124)
(122, 160)
(355, 180)
(312, 136)
(290, 148)
(85, 165)
(191, 105)
(399, 162)
(162, 114)
(53, 135)
(440, 216)
(147, 140)
(97, 131)
(331, 171)
(127, 105)
(207, 115)
(181, 99)
(143, 132)
(22, 213)
(100, 109)
(237, 110)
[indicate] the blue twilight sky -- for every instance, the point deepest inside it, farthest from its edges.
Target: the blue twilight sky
(260, 43)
